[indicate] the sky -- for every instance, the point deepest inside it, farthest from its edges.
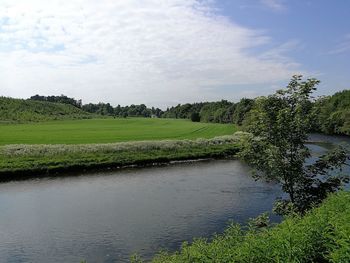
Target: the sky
(165, 52)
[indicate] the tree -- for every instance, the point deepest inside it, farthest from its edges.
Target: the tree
(333, 113)
(59, 99)
(277, 149)
(242, 109)
(195, 117)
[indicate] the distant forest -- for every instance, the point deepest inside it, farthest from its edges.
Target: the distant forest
(331, 113)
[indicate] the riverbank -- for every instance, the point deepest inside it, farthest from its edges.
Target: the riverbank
(18, 161)
(320, 236)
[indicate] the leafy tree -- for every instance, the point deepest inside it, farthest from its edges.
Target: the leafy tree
(58, 99)
(277, 149)
(332, 113)
(195, 117)
(241, 110)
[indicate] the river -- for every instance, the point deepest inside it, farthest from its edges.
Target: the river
(105, 217)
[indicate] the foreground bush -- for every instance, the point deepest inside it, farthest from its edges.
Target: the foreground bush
(322, 235)
(27, 159)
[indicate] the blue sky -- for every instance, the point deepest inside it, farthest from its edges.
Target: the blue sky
(164, 52)
(319, 30)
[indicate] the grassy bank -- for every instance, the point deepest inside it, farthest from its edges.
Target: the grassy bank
(19, 110)
(109, 131)
(323, 235)
(25, 160)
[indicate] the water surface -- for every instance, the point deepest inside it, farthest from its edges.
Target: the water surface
(105, 217)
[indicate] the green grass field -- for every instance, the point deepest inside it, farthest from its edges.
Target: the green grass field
(108, 131)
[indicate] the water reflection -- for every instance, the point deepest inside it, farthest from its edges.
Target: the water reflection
(322, 143)
(106, 217)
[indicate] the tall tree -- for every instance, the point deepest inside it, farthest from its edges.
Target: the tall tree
(277, 149)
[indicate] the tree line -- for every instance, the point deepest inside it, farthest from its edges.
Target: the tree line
(123, 111)
(218, 112)
(105, 109)
(58, 99)
(330, 114)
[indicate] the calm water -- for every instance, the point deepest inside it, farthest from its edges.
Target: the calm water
(325, 143)
(106, 217)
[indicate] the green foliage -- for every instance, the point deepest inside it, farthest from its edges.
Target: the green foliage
(260, 221)
(106, 130)
(195, 117)
(100, 108)
(332, 114)
(277, 149)
(183, 111)
(241, 110)
(41, 158)
(329, 115)
(322, 235)
(18, 110)
(135, 258)
(218, 112)
(132, 110)
(59, 99)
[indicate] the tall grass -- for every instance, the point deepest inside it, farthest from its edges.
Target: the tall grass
(17, 159)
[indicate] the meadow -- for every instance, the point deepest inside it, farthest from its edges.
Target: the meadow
(109, 130)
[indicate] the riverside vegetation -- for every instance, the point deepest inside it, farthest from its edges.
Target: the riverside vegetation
(280, 124)
(39, 159)
(276, 148)
(321, 235)
(331, 114)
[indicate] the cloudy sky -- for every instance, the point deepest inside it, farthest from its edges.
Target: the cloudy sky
(164, 52)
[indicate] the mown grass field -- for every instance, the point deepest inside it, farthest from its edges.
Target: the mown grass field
(108, 131)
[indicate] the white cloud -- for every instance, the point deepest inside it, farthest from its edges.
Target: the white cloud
(135, 51)
(275, 5)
